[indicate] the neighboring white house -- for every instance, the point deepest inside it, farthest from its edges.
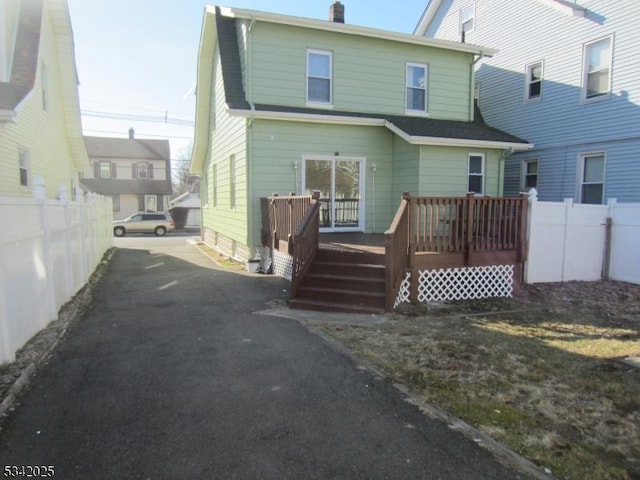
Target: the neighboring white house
(135, 173)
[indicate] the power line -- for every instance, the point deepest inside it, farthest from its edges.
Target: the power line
(131, 107)
(138, 118)
(137, 133)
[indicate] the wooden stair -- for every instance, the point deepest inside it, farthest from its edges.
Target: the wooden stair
(343, 281)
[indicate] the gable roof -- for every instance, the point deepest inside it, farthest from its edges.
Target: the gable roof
(128, 148)
(433, 6)
(25, 58)
(220, 30)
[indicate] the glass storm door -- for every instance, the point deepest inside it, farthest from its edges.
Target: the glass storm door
(340, 184)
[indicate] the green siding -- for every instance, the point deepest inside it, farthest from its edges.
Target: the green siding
(368, 73)
(405, 170)
(228, 138)
(443, 171)
(275, 145)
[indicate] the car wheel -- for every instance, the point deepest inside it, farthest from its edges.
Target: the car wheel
(119, 231)
(160, 231)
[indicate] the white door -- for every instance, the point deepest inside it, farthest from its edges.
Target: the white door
(340, 182)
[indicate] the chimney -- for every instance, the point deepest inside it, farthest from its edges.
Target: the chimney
(131, 133)
(336, 13)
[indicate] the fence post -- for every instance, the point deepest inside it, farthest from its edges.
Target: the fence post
(469, 240)
(531, 213)
(606, 266)
(568, 205)
(7, 352)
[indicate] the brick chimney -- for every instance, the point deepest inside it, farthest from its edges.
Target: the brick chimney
(336, 13)
(131, 133)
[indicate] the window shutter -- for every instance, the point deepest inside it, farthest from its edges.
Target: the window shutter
(134, 171)
(161, 203)
(150, 171)
(96, 170)
(114, 170)
(141, 203)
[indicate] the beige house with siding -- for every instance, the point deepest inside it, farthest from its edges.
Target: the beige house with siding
(40, 127)
(135, 173)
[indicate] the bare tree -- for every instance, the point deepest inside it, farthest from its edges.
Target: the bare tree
(182, 180)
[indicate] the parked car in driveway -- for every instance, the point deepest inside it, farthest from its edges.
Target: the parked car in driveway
(158, 223)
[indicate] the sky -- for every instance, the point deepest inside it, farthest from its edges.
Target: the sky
(136, 59)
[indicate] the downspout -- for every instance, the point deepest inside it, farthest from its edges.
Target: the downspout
(248, 153)
(473, 86)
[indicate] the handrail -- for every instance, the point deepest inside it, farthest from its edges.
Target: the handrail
(306, 241)
(397, 246)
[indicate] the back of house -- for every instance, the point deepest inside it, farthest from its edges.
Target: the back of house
(566, 78)
(289, 104)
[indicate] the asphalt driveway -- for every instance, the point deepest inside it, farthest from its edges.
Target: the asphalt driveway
(173, 375)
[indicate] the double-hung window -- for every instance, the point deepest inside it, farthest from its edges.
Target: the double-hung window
(476, 173)
(319, 77)
(596, 80)
(104, 170)
(533, 78)
(24, 167)
(416, 81)
(529, 174)
(467, 19)
(592, 178)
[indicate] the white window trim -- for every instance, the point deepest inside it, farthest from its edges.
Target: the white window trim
(473, 17)
(585, 70)
(24, 163)
(527, 81)
(523, 173)
(407, 111)
(469, 174)
(44, 84)
(313, 103)
(580, 173)
(142, 167)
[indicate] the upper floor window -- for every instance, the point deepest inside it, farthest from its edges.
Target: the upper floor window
(467, 19)
(591, 185)
(319, 76)
(596, 81)
(476, 173)
(416, 88)
(533, 87)
(104, 170)
(24, 167)
(529, 174)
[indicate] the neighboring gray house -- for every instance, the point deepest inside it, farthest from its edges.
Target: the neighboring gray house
(135, 173)
(567, 78)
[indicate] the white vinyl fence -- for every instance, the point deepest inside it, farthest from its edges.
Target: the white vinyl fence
(569, 241)
(48, 251)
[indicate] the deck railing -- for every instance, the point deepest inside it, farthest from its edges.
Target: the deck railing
(463, 231)
(281, 217)
(306, 241)
(396, 246)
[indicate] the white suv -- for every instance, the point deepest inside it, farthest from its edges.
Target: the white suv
(158, 223)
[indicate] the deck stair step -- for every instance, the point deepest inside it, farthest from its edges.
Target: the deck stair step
(343, 282)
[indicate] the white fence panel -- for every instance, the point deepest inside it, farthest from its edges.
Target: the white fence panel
(47, 253)
(625, 242)
(567, 241)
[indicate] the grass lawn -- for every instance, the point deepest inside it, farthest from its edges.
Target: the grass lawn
(543, 373)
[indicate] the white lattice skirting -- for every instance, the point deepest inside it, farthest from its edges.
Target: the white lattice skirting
(466, 283)
(282, 264)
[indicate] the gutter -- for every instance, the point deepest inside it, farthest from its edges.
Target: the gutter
(8, 116)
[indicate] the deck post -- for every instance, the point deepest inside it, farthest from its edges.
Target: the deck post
(469, 228)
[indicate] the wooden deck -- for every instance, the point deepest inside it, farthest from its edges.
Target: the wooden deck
(353, 242)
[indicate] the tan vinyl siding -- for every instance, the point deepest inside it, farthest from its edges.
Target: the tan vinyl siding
(368, 73)
(49, 151)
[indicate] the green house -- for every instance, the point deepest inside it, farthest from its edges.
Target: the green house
(288, 104)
